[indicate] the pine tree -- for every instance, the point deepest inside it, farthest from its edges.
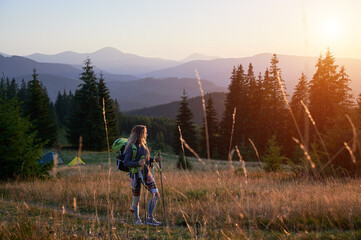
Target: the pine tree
(39, 111)
(23, 94)
(184, 121)
(213, 130)
(276, 116)
(272, 156)
(242, 113)
(59, 110)
(118, 116)
(19, 149)
(277, 104)
(300, 94)
(2, 87)
(86, 118)
(232, 102)
(323, 87)
(344, 96)
(13, 89)
(330, 100)
(254, 104)
(110, 113)
(258, 112)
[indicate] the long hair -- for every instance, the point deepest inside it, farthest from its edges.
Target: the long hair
(137, 136)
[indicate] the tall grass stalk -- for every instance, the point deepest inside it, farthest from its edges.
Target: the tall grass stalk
(350, 151)
(319, 136)
(255, 149)
(54, 170)
(204, 115)
(190, 149)
(109, 210)
(232, 131)
(188, 226)
(106, 134)
(182, 144)
(243, 163)
(305, 152)
(354, 135)
(289, 108)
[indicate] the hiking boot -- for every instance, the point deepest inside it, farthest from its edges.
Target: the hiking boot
(151, 221)
(138, 222)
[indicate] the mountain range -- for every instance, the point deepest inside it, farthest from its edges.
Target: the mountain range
(170, 110)
(139, 82)
(219, 70)
(131, 94)
(110, 60)
(215, 69)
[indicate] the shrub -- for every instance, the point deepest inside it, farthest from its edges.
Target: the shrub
(183, 162)
(272, 157)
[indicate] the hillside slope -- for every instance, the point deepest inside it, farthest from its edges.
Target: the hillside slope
(170, 110)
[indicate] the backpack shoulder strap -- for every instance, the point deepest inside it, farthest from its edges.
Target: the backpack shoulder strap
(134, 152)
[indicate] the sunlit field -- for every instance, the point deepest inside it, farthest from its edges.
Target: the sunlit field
(212, 201)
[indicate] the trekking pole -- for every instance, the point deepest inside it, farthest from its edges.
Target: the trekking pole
(145, 205)
(161, 183)
(141, 176)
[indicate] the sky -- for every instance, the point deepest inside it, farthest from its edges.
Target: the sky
(173, 29)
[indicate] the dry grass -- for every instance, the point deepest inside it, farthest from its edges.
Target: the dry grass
(215, 202)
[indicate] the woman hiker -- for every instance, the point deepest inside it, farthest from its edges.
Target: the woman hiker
(139, 172)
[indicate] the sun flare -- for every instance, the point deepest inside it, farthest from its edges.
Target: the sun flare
(331, 27)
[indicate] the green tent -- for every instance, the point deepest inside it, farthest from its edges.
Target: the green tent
(76, 161)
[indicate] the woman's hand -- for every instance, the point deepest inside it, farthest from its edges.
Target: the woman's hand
(142, 162)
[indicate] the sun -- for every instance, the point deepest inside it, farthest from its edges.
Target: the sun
(331, 28)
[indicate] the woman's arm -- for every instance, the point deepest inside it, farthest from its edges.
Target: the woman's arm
(128, 158)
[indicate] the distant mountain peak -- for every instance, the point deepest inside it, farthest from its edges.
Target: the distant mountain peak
(4, 54)
(109, 50)
(198, 56)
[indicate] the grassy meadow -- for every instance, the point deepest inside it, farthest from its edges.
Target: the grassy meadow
(213, 201)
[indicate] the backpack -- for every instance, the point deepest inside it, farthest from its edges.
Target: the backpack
(119, 147)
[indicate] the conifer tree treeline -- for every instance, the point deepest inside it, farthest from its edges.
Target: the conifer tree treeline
(260, 110)
(40, 109)
(62, 107)
(19, 147)
(25, 127)
(262, 114)
(80, 114)
(34, 104)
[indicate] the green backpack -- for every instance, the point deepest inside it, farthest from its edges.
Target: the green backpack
(119, 147)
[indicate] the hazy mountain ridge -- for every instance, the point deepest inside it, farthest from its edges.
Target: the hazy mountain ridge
(150, 92)
(16, 66)
(53, 84)
(130, 94)
(109, 59)
(170, 110)
(219, 70)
